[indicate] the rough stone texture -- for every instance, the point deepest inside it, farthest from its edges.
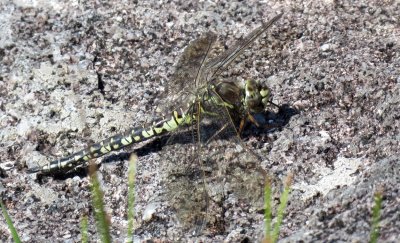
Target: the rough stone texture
(72, 73)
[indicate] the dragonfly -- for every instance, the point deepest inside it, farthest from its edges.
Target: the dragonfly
(205, 117)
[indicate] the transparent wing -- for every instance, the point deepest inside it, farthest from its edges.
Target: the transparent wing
(187, 73)
(239, 174)
(194, 70)
(218, 64)
(209, 165)
(186, 191)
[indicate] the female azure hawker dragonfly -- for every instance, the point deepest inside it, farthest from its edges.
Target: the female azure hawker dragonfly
(204, 142)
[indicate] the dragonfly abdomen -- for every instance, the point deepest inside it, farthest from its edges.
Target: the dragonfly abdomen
(134, 135)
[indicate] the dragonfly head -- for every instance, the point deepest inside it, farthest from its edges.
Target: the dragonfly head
(256, 96)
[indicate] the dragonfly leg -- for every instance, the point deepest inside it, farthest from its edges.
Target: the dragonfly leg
(217, 133)
(243, 122)
(253, 120)
(277, 106)
(242, 125)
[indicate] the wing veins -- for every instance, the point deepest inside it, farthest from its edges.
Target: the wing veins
(222, 61)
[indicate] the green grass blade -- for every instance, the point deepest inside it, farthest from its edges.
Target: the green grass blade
(268, 210)
(282, 206)
(11, 227)
(102, 222)
(376, 211)
(84, 229)
(131, 195)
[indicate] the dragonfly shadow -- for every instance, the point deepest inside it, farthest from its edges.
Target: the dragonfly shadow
(270, 121)
(63, 174)
(153, 146)
(284, 114)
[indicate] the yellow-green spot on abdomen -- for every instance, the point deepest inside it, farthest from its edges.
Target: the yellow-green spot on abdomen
(147, 134)
(171, 124)
(104, 150)
(158, 130)
(178, 119)
(126, 140)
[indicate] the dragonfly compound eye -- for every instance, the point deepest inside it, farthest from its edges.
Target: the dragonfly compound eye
(265, 94)
(253, 96)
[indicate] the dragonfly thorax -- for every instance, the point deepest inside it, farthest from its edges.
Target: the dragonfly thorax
(230, 93)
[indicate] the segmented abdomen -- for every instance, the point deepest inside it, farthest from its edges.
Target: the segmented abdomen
(116, 142)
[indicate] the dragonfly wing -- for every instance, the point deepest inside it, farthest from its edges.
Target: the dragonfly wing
(184, 80)
(184, 181)
(235, 178)
(239, 166)
(208, 165)
(218, 64)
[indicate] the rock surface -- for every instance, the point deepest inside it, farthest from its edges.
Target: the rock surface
(73, 73)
